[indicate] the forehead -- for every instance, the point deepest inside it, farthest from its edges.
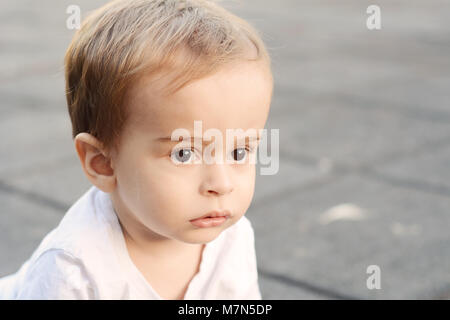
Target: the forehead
(238, 96)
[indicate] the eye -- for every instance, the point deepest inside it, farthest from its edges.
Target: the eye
(182, 155)
(240, 153)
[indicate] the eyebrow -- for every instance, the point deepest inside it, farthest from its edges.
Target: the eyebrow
(169, 139)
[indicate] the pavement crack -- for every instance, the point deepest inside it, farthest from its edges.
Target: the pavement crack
(34, 197)
(305, 285)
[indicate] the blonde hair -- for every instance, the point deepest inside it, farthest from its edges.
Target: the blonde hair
(124, 40)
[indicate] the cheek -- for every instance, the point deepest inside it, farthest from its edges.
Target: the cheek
(158, 194)
(245, 187)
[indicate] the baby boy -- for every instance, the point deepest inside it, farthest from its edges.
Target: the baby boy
(159, 222)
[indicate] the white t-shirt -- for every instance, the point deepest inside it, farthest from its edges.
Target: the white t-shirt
(85, 257)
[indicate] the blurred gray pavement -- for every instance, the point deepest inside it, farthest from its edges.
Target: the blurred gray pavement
(364, 120)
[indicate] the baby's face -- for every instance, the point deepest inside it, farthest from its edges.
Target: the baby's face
(161, 195)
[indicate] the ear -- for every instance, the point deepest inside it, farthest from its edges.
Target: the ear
(95, 162)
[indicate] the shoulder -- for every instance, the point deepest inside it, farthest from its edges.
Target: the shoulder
(55, 274)
(86, 229)
(76, 256)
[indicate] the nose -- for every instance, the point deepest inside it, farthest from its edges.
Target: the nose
(217, 180)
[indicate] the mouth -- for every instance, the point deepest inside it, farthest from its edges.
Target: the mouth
(211, 219)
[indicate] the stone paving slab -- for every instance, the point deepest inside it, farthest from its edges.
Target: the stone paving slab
(327, 49)
(31, 92)
(33, 137)
(430, 169)
(351, 134)
(401, 230)
(276, 290)
(62, 179)
(23, 226)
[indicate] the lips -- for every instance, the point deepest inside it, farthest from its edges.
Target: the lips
(215, 214)
(211, 219)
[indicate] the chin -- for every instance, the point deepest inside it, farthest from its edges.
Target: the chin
(201, 235)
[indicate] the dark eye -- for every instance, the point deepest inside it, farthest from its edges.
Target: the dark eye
(239, 153)
(181, 155)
